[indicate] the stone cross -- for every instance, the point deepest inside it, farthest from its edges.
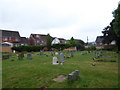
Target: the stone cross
(29, 56)
(55, 61)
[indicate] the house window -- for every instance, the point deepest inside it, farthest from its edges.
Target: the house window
(16, 39)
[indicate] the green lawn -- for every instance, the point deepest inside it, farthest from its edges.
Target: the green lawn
(39, 72)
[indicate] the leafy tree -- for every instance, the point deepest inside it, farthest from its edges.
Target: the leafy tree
(116, 25)
(49, 41)
(112, 32)
(72, 42)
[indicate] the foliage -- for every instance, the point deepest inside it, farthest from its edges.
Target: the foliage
(72, 42)
(49, 41)
(28, 48)
(112, 31)
(61, 46)
(92, 47)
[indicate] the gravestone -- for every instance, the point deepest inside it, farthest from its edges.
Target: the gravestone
(0, 55)
(55, 61)
(73, 76)
(56, 53)
(29, 56)
(46, 55)
(41, 52)
(52, 53)
(20, 56)
(72, 54)
(14, 51)
(61, 58)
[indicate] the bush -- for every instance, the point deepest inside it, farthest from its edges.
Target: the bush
(61, 46)
(28, 48)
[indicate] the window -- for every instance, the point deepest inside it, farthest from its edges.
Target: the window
(16, 39)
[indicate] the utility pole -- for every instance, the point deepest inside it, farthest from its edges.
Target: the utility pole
(87, 40)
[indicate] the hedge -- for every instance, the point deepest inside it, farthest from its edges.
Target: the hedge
(28, 48)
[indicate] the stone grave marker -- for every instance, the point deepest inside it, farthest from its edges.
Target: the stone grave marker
(41, 52)
(56, 53)
(0, 55)
(73, 76)
(52, 53)
(29, 56)
(61, 58)
(72, 54)
(14, 51)
(55, 61)
(20, 56)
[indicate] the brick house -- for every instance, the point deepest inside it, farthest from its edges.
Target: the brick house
(38, 39)
(24, 41)
(10, 37)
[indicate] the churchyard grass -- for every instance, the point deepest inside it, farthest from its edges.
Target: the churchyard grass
(39, 72)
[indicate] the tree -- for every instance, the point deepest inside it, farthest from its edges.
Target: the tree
(49, 41)
(72, 41)
(116, 25)
(112, 31)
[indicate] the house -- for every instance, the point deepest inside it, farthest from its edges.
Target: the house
(24, 41)
(99, 41)
(38, 39)
(55, 41)
(62, 40)
(10, 37)
(58, 40)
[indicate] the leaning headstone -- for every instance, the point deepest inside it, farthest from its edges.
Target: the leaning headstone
(73, 76)
(55, 61)
(29, 56)
(61, 58)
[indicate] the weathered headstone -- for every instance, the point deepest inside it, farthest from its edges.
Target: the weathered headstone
(20, 56)
(55, 61)
(73, 76)
(29, 56)
(61, 58)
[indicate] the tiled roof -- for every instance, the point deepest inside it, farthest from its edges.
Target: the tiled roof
(9, 33)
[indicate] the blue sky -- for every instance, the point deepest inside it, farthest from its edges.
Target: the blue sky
(59, 18)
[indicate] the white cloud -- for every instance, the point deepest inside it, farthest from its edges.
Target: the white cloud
(60, 18)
